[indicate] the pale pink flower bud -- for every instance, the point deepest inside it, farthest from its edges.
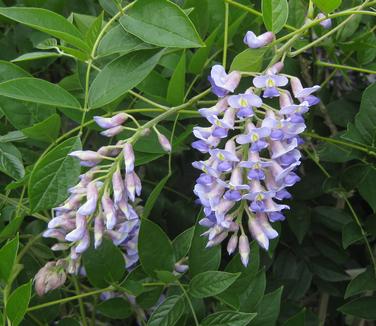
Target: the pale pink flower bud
(109, 151)
(285, 99)
(276, 68)
(117, 186)
(232, 244)
(83, 244)
(50, 277)
(86, 156)
(244, 249)
(257, 233)
(112, 131)
(217, 240)
(114, 121)
(109, 211)
(296, 86)
(128, 158)
(254, 42)
(133, 185)
(164, 142)
(92, 197)
(60, 246)
(98, 231)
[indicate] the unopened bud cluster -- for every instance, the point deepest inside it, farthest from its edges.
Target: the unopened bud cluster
(253, 154)
(105, 200)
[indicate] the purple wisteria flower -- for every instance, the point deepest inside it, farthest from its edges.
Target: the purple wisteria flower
(109, 209)
(253, 153)
(269, 82)
(304, 94)
(221, 82)
(253, 41)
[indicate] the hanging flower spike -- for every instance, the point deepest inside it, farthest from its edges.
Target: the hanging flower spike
(254, 42)
(113, 212)
(223, 83)
(250, 175)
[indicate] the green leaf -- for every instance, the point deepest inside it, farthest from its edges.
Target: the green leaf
(46, 131)
(94, 30)
(228, 318)
(296, 320)
(249, 60)
(365, 120)
(109, 6)
(252, 290)
(169, 28)
(211, 283)
(361, 307)
(38, 91)
(365, 281)
(197, 62)
(333, 218)
(18, 302)
(11, 228)
(246, 292)
(36, 56)
(327, 6)
(116, 308)
(275, 14)
(166, 277)
(299, 220)
(11, 71)
(104, 265)
(118, 40)
(8, 255)
(176, 85)
(53, 174)
(168, 313)
(268, 309)
(11, 161)
(48, 22)
(182, 243)
(297, 10)
(350, 234)
(153, 197)
(366, 185)
(11, 136)
(154, 248)
(202, 259)
(121, 75)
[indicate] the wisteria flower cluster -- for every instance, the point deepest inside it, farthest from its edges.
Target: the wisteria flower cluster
(253, 156)
(111, 207)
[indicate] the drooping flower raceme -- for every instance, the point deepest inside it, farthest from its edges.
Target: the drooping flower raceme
(253, 157)
(105, 200)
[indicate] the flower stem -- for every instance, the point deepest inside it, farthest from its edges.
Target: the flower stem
(75, 297)
(225, 37)
(92, 58)
(189, 303)
(340, 142)
(254, 12)
(333, 65)
(364, 235)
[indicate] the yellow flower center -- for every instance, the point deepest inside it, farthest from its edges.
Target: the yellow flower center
(270, 83)
(243, 102)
